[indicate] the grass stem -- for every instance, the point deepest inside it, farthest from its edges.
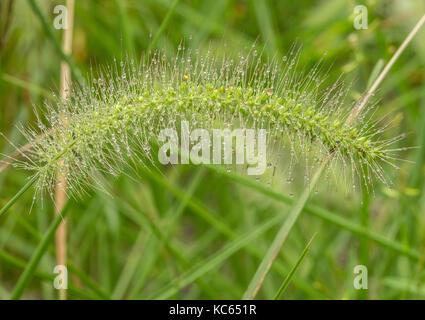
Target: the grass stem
(293, 270)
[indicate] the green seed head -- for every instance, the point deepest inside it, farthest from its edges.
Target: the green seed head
(114, 120)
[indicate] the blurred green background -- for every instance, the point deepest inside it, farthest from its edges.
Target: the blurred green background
(168, 234)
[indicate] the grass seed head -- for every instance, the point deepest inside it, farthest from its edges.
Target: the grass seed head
(113, 121)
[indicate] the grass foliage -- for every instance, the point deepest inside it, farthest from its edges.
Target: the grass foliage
(202, 231)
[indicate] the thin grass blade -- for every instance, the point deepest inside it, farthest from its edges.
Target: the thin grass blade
(289, 277)
(42, 247)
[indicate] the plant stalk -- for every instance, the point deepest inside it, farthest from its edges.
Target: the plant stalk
(60, 188)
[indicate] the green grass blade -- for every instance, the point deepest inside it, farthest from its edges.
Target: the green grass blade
(129, 269)
(280, 238)
(214, 261)
(375, 72)
(18, 195)
(51, 35)
(18, 263)
(204, 213)
(323, 214)
(416, 289)
(196, 206)
(124, 26)
(163, 25)
(265, 23)
(318, 212)
(85, 279)
(170, 245)
(416, 180)
(289, 277)
(38, 254)
(27, 85)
